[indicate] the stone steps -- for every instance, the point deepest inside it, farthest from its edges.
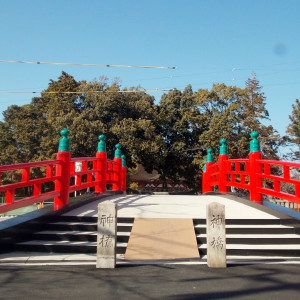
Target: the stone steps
(64, 246)
(265, 238)
(260, 238)
(72, 235)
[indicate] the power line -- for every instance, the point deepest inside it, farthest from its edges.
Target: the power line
(84, 65)
(87, 92)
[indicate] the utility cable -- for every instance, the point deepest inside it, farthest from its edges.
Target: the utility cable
(87, 92)
(84, 65)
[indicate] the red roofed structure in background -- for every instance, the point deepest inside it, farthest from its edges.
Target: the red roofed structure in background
(151, 182)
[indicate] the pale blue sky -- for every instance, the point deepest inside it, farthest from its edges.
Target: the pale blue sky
(208, 41)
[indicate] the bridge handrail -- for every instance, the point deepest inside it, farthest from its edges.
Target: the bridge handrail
(238, 160)
(279, 163)
(255, 176)
(96, 172)
(15, 167)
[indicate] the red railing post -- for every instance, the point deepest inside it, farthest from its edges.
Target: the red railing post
(206, 175)
(223, 157)
(124, 173)
(255, 169)
(117, 166)
(297, 193)
(10, 196)
(63, 171)
(101, 166)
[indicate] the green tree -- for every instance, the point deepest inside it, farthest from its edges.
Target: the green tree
(233, 113)
(180, 125)
(124, 116)
(94, 108)
(8, 146)
(255, 116)
(293, 130)
(33, 129)
(170, 137)
(56, 109)
(19, 130)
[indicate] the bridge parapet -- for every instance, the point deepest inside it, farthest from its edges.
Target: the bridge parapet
(255, 174)
(61, 176)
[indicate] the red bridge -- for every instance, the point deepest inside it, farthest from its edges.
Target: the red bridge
(253, 231)
(62, 178)
(254, 174)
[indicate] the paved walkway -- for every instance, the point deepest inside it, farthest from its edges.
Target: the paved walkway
(151, 282)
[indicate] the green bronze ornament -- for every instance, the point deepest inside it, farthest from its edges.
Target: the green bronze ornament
(102, 143)
(123, 161)
(118, 152)
(223, 147)
(64, 142)
(209, 157)
(254, 144)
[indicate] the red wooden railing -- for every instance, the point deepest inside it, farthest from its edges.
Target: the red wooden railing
(96, 172)
(9, 190)
(258, 176)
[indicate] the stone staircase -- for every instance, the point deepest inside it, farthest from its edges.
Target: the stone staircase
(71, 234)
(246, 239)
(255, 238)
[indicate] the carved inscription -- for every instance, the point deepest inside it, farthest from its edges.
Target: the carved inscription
(106, 241)
(104, 219)
(216, 221)
(217, 242)
(216, 236)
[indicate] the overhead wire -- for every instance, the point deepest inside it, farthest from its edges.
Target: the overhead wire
(84, 65)
(86, 92)
(128, 66)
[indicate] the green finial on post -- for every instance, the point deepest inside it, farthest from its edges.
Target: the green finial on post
(118, 152)
(254, 144)
(209, 157)
(102, 143)
(64, 142)
(123, 161)
(223, 147)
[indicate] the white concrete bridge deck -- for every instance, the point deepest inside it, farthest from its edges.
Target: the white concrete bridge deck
(176, 206)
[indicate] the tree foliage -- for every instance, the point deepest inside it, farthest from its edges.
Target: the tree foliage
(170, 137)
(194, 121)
(233, 113)
(293, 130)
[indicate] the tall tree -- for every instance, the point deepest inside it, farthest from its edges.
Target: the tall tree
(233, 113)
(8, 146)
(255, 116)
(125, 116)
(179, 125)
(293, 130)
(34, 128)
(169, 137)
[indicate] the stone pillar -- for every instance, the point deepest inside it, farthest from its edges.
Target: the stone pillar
(106, 235)
(216, 235)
